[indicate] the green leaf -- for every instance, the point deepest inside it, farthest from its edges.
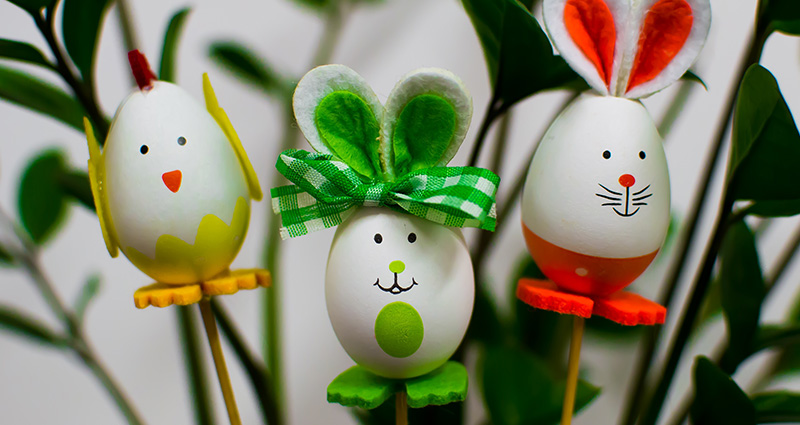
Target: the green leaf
(81, 23)
(41, 201)
(32, 93)
(691, 76)
(20, 323)
(518, 53)
(789, 358)
(246, 65)
(89, 290)
(199, 384)
(6, 258)
(775, 208)
(321, 5)
(75, 184)
(769, 336)
(486, 326)
(33, 7)
(519, 388)
(782, 16)
(718, 400)
(777, 407)
(169, 51)
(23, 52)
(766, 144)
(743, 291)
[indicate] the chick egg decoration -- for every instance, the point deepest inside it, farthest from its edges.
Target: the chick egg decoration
(595, 208)
(399, 284)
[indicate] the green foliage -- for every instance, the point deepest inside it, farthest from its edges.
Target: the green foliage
(519, 388)
(23, 52)
(775, 208)
(169, 51)
(245, 64)
(691, 76)
(782, 16)
(33, 7)
(518, 53)
(32, 93)
(20, 323)
(81, 24)
(75, 184)
(88, 292)
(766, 144)
(777, 407)
(321, 5)
(718, 400)
(742, 290)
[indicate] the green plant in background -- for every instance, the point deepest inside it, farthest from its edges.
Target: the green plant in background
(520, 365)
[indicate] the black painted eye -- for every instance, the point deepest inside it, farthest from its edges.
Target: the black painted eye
(412, 237)
(642, 155)
(144, 149)
(607, 154)
(378, 238)
(181, 140)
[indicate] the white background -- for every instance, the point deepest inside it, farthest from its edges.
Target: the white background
(42, 386)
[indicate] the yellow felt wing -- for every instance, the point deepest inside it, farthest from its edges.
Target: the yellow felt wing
(97, 173)
(222, 119)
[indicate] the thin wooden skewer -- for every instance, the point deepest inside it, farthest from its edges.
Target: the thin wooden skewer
(219, 361)
(401, 408)
(572, 370)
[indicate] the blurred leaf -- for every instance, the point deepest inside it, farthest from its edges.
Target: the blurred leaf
(718, 400)
(199, 384)
(766, 145)
(320, 5)
(41, 202)
(519, 388)
(89, 290)
(20, 323)
(23, 52)
(81, 23)
(485, 326)
(30, 92)
(712, 304)
(783, 16)
(76, 185)
(5, 257)
(743, 290)
(449, 414)
(691, 76)
(245, 64)
(777, 407)
(518, 53)
(31, 6)
(775, 208)
(776, 336)
(788, 361)
(170, 49)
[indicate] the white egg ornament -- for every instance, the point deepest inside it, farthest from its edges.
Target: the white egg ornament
(173, 184)
(596, 203)
(399, 283)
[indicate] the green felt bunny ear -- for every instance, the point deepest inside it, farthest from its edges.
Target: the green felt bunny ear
(339, 114)
(427, 116)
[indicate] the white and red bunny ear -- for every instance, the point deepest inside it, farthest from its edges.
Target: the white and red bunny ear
(628, 48)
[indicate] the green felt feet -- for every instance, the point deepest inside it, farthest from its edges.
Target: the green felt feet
(357, 387)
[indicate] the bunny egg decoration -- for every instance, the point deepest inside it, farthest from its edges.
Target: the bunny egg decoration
(595, 207)
(399, 284)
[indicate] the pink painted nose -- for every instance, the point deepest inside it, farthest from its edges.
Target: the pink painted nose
(626, 180)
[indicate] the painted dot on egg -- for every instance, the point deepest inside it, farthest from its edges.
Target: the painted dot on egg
(580, 271)
(144, 149)
(399, 329)
(181, 141)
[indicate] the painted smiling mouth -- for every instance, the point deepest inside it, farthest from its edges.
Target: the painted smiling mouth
(395, 289)
(635, 199)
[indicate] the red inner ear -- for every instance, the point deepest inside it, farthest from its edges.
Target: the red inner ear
(591, 26)
(664, 32)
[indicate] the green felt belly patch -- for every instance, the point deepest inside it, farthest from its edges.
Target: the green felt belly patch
(399, 330)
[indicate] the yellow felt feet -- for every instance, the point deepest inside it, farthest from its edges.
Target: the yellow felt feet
(227, 283)
(165, 295)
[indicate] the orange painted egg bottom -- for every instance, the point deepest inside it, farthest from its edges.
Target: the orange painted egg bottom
(584, 274)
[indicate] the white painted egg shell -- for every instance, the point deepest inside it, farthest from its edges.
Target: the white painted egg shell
(399, 291)
(598, 184)
(168, 166)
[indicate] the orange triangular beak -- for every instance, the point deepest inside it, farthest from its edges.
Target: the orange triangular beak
(173, 180)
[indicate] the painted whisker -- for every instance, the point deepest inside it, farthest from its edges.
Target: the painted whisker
(642, 191)
(641, 198)
(610, 198)
(611, 191)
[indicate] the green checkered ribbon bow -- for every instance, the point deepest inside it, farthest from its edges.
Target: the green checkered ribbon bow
(326, 191)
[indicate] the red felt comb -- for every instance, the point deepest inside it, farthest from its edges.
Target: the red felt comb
(141, 70)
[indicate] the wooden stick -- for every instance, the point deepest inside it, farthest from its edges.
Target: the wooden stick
(219, 361)
(572, 370)
(401, 408)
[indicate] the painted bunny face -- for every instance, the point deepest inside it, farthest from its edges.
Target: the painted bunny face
(399, 291)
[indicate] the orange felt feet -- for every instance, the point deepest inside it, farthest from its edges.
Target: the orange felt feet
(630, 309)
(543, 294)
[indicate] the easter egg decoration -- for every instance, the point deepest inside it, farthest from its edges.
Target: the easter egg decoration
(595, 207)
(399, 283)
(172, 187)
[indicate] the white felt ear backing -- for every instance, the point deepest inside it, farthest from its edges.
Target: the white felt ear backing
(556, 25)
(683, 60)
(320, 82)
(427, 81)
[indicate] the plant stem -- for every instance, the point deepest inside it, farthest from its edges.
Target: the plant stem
(130, 40)
(492, 113)
(83, 90)
(645, 360)
(675, 108)
(335, 15)
(195, 366)
(783, 261)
